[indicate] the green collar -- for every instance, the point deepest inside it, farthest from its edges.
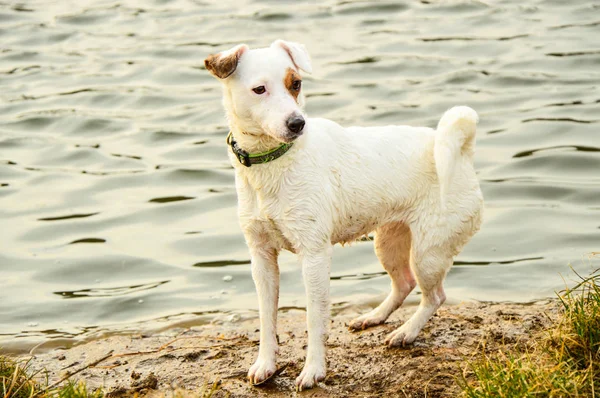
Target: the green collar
(248, 159)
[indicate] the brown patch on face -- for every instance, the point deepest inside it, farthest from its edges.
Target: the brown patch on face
(223, 66)
(293, 83)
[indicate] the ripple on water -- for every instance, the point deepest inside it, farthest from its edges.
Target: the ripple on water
(351, 8)
(579, 148)
(560, 164)
(68, 123)
(109, 291)
(221, 263)
(67, 217)
(88, 240)
(168, 199)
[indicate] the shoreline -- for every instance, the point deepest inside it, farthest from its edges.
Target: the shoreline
(359, 364)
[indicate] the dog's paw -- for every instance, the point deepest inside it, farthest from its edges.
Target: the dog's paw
(402, 336)
(365, 321)
(310, 376)
(261, 371)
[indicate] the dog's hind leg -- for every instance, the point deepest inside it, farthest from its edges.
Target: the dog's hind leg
(430, 265)
(265, 273)
(392, 246)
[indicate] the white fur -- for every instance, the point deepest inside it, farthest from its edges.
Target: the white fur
(414, 186)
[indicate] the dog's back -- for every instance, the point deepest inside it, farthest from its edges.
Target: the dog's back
(377, 175)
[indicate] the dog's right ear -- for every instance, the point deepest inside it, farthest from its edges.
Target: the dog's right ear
(297, 53)
(223, 64)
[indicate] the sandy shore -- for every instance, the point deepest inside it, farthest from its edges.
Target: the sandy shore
(359, 364)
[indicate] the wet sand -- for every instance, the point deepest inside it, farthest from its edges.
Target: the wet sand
(359, 364)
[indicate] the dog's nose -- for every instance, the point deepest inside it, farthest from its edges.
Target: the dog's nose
(295, 124)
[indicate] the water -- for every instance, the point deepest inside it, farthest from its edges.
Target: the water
(117, 203)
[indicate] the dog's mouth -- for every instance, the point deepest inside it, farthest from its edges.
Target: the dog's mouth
(291, 137)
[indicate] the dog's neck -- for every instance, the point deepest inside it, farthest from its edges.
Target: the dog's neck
(251, 142)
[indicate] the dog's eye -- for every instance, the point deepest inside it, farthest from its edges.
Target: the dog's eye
(259, 90)
(296, 84)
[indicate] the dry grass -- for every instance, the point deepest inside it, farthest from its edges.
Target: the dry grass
(578, 336)
(17, 380)
(563, 362)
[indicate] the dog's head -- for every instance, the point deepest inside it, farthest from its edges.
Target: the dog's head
(263, 87)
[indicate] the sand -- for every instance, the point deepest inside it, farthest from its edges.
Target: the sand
(359, 364)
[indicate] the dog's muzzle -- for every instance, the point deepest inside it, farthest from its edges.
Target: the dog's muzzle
(295, 124)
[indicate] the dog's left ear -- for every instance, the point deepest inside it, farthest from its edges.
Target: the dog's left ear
(223, 64)
(297, 53)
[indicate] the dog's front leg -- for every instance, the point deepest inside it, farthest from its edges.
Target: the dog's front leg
(315, 269)
(265, 273)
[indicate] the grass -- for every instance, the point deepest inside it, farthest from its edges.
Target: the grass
(563, 362)
(17, 380)
(580, 337)
(77, 390)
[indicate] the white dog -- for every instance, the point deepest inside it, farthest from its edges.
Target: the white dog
(306, 184)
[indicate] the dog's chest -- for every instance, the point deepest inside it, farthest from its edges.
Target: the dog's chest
(260, 211)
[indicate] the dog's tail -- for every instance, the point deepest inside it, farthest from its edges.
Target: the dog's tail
(455, 138)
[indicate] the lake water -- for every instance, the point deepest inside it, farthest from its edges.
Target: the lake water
(117, 201)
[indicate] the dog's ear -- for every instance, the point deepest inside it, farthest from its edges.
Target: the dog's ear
(223, 64)
(297, 53)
